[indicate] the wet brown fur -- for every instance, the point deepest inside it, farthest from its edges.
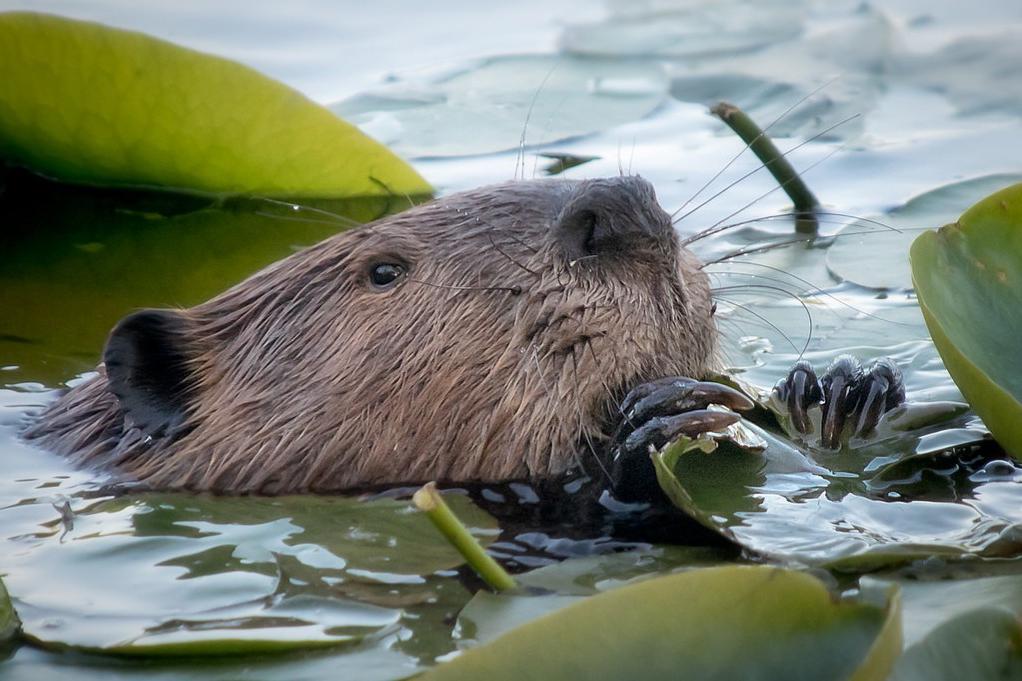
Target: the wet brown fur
(305, 378)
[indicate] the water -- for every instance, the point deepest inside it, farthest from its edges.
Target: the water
(937, 126)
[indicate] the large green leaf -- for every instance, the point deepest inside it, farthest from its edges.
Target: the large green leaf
(714, 623)
(552, 587)
(968, 276)
(86, 103)
(9, 623)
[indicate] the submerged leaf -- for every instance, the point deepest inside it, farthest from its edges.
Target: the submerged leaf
(235, 576)
(714, 623)
(968, 276)
(86, 103)
(871, 252)
(507, 102)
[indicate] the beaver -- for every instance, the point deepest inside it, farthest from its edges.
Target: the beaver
(516, 331)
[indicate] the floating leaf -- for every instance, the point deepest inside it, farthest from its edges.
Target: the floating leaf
(552, 587)
(872, 253)
(692, 31)
(714, 623)
(508, 101)
(982, 645)
(9, 623)
(86, 103)
(929, 603)
(968, 276)
(847, 510)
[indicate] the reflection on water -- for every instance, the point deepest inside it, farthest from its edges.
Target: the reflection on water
(75, 261)
(936, 97)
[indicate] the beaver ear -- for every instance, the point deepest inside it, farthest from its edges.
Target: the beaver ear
(148, 369)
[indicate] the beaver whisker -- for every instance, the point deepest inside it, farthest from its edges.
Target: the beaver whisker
(520, 156)
(809, 238)
(764, 165)
(590, 445)
(717, 229)
(572, 263)
(335, 217)
(859, 218)
(767, 322)
(774, 326)
(813, 288)
(809, 316)
(510, 259)
(763, 132)
(518, 240)
(613, 396)
(780, 186)
(513, 290)
(724, 322)
(391, 194)
(612, 401)
(293, 218)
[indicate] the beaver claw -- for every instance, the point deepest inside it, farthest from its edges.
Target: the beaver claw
(851, 397)
(656, 413)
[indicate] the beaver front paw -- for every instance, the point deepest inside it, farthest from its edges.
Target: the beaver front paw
(851, 398)
(657, 412)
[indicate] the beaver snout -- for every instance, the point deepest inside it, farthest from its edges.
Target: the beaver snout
(610, 215)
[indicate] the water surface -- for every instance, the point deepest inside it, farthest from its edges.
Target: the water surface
(917, 113)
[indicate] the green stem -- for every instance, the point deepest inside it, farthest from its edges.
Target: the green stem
(771, 157)
(429, 501)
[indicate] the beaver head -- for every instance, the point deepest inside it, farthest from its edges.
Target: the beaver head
(483, 336)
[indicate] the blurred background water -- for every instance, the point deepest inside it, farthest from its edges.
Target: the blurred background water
(914, 111)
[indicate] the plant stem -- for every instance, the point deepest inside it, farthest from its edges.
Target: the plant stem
(761, 145)
(428, 500)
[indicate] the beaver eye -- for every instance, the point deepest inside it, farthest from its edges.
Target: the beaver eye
(386, 274)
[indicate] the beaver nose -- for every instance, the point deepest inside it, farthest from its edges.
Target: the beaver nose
(610, 215)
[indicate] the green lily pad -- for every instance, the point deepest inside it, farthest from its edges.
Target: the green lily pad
(552, 587)
(714, 623)
(87, 103)
(968, 276)
(846, 510)
(10, 625)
